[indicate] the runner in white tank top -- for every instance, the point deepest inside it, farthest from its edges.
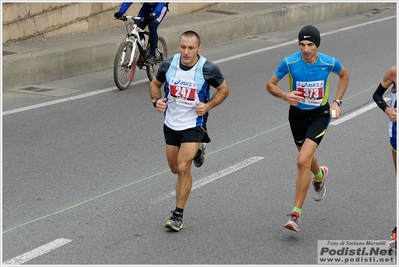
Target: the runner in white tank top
(187, 78)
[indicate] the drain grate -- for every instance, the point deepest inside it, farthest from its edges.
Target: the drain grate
(5, 53)
(221, 12)
(34, 89)
(266, 38)
(45, 90)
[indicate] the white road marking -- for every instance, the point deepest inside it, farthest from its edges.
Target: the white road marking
(50, 103)
(37, 252)
(222, 173)
(214, 176)
(17, 110)
(296, 40)
(216, 61)
(356, 113)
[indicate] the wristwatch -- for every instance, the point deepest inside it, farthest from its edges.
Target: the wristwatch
(154, 101)
(339, 102)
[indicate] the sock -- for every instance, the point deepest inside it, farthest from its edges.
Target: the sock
(180, 211)
(319, 175)
(297, 210)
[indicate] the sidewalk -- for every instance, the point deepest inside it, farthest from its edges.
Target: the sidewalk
(34, 62)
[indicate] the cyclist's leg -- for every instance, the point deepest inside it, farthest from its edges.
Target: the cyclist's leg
(144, 11)
(153, 29)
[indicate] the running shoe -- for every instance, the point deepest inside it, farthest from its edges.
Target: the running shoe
(319, 186)
(175, 222)
(392, 242)
(200, 157)
(293, 222)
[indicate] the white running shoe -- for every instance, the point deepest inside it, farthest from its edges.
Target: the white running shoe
(293, 222)
(319, 186)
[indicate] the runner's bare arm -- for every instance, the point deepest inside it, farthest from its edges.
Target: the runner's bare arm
(155, 92)
(292, 98)
(218, 97)
(342, 83)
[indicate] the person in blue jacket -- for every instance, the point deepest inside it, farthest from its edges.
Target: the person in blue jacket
(154, 12)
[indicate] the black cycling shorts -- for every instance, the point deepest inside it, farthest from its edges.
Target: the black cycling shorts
(196, 134)
(311, 124)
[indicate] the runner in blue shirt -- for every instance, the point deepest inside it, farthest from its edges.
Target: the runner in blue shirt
(310, 112)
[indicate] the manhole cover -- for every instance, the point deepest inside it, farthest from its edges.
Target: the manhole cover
(266, 38)
(36, 89)
(45, 90)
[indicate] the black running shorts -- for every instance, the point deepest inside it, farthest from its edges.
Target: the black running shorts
(311, 124)
(196, 134)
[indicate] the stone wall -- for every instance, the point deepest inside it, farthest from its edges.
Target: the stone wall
(28, 63)
(25, 20)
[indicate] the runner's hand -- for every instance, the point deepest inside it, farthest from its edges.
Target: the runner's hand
(335, 113)
(293, 97)
(161, 105)
(392, 115)
(201, 109)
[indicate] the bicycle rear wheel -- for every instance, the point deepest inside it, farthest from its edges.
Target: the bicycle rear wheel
(161, 54)
(124, 70)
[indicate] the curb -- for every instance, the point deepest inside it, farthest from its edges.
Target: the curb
(39, 66)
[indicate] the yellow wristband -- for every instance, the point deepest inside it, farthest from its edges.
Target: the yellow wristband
(285, 97)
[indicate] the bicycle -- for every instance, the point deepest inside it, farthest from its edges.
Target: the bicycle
(134, 52)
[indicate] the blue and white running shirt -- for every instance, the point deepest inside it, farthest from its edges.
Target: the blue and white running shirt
(310, 79)
(184, 88)
(392, 125)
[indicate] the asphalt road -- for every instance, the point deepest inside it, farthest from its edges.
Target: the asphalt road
(85, 177)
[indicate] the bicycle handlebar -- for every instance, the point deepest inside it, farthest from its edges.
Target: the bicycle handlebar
(125, 18)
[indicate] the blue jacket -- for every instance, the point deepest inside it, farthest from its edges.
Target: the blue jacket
(157, 10)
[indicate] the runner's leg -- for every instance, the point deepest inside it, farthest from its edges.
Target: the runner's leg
(185, 157)
(304, 163)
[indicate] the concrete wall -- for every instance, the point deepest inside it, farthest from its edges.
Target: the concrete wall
(50, 59)
(26, 20)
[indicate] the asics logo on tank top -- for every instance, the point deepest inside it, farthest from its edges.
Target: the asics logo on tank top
(183, 83)
(312, 84)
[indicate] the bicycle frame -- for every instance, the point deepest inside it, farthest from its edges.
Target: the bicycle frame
(136, 40)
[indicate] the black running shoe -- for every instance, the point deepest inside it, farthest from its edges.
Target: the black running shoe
(175, 222)
(200, 157)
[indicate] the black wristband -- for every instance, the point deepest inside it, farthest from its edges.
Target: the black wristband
(154, 102)
(378, 99)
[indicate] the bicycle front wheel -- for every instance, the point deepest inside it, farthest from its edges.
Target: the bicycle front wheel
(124, 69)
(161, 53)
